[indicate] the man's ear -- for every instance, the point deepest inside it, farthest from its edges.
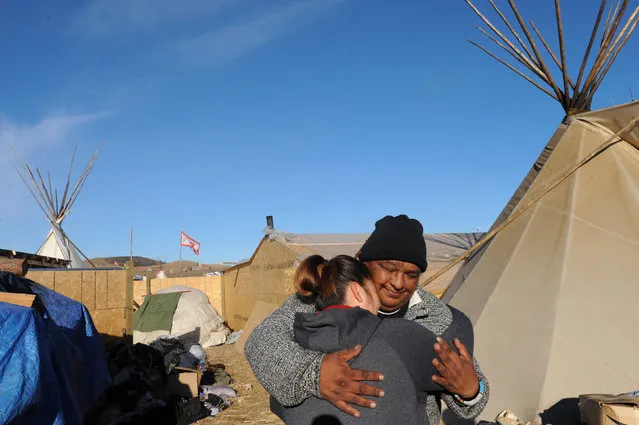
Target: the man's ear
(356, 289)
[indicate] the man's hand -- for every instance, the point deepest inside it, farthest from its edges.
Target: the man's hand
(340, 384)
(457, 371)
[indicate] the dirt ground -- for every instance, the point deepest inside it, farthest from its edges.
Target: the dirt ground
(251, 406)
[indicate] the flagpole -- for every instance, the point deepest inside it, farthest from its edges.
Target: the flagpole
(131, 245)
(180, 263)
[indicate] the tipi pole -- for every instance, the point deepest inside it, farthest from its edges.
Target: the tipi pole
(573, 96)
(551, 53)
(562, 53)
(488, 237)
(540, 60)
(54, 208)
(81, 253)
(512, 68)
(510, 27)
(593, 36)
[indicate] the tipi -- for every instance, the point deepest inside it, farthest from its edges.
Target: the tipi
(57, 244)
(553, 288)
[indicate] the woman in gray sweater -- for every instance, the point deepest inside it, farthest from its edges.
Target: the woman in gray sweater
(347, 303)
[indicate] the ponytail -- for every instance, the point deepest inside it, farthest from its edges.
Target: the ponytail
(308, 277)
(324, 283)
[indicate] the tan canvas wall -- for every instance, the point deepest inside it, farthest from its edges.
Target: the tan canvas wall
(268, 278)
(438, 286)
(107, 294)
(553, 298)
(210, 285)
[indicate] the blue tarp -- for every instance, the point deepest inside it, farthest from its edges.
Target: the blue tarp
(52, 366)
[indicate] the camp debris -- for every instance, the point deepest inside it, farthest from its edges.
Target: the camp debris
(604, 409)
(164, 377)
(178, 354)
(506, 417)
(234, 337)
(181, 312)
(149, 388)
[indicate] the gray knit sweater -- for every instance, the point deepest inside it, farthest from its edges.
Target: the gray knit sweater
(290, 373)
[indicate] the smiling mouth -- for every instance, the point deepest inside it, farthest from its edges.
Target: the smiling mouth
(392, 294)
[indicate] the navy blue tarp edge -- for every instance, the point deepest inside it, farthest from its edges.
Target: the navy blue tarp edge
(53, 365)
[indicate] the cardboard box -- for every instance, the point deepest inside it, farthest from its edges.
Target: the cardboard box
(186, 382)
(261, 311)
(24, 300)
(606, 409)
(17, 266)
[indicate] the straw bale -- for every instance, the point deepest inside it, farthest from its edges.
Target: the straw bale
(116, 289)
(45, 278)
(110, 321)
(101, 289)
(69, 284)
(268, 278)
(88, 290)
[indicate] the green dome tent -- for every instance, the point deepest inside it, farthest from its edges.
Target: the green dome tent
(182, 312)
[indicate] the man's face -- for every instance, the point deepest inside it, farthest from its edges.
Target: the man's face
(395, 281)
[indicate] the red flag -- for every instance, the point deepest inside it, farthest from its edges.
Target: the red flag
(185, 240)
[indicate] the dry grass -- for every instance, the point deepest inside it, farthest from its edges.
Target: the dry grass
(252, 405)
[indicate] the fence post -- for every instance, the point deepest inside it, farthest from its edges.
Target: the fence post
(130, 273)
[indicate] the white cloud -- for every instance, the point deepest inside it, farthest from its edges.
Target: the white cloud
(109, 17)
(26, 139)
(51, 130)
(222, 45)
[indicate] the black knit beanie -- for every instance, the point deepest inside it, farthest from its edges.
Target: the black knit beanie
(396, 238)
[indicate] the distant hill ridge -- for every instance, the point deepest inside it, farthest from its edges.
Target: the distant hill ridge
(138, 261)
(144, 265)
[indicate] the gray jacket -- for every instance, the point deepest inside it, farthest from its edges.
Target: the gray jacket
(395, 346)
(290, 372)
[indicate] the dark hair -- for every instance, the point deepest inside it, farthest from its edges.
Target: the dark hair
(324, 282)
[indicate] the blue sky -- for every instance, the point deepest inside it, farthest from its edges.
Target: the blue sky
(326, 114)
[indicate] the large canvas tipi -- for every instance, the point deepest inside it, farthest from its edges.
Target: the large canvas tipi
(57, 244)
(553, 291)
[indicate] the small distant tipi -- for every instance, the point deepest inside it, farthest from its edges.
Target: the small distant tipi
(57, 244)
(553, 292)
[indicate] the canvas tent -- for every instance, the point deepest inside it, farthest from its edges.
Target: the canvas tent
(182, 312)
(58, 245)
(553, 291)
(268, 275)
(56, 208)
(441, 248)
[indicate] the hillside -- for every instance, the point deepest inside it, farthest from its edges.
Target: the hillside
(144, 265)
(120, 261)
(183, 269)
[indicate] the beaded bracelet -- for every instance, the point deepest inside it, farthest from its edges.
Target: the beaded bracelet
(472, 402)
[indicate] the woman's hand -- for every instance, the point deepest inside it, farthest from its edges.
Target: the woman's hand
(341, 385)
(457, 371)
